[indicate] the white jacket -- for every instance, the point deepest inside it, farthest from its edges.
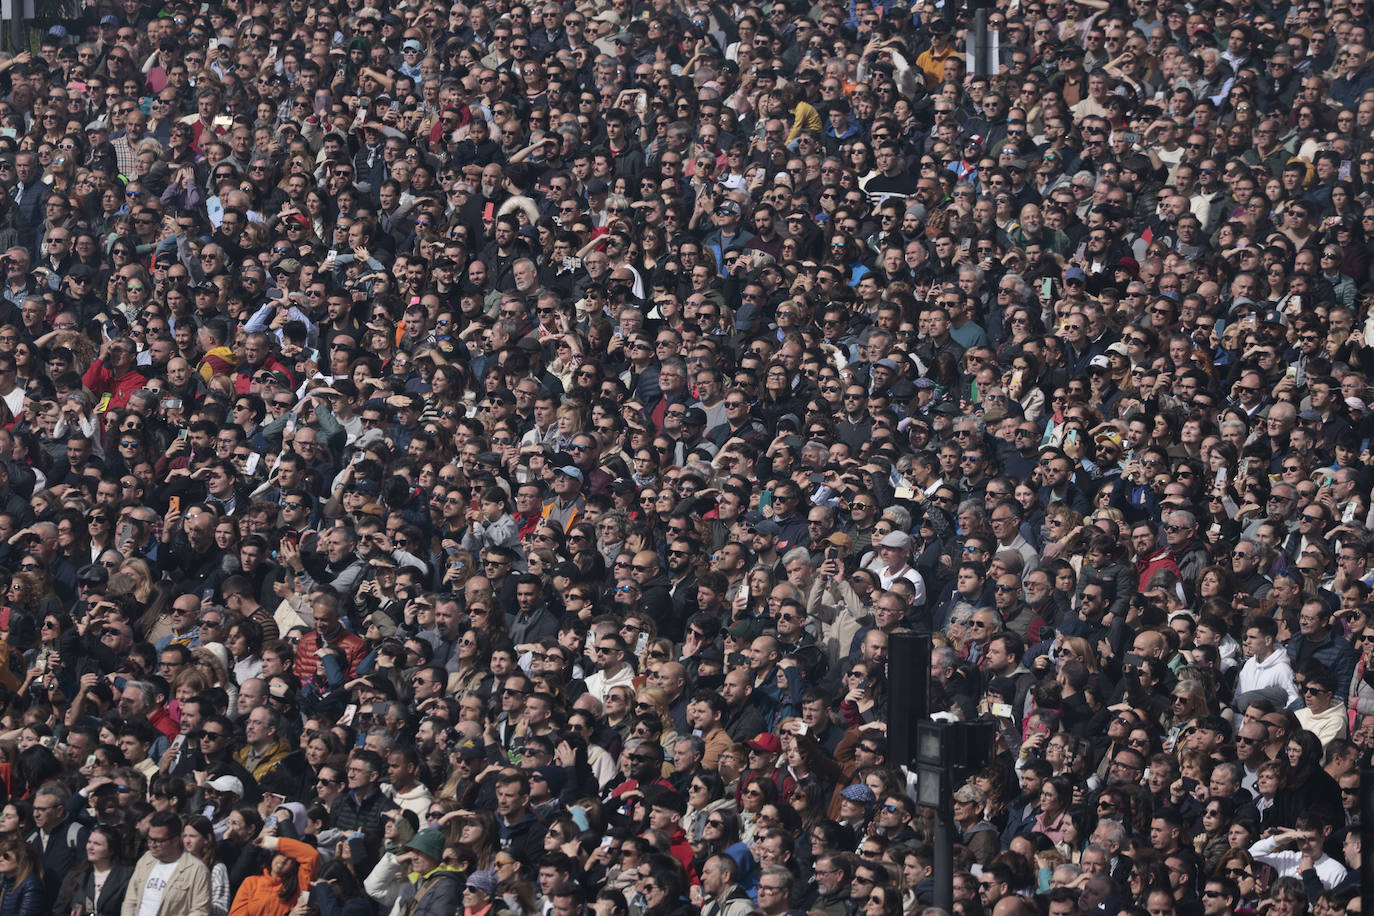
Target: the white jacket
(1274, 671)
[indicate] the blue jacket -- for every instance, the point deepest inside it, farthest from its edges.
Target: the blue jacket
(24, 900)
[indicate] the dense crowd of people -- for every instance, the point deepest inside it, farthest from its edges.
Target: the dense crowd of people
(489, 457)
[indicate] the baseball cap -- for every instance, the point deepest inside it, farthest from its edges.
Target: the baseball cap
(968, 794)
(766, 742)
(230, 784)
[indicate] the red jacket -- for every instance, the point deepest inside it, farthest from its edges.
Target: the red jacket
(352, 645)
(681, 850)
(1148, 566)
(101, 381)
(244, 376)
(160, 720)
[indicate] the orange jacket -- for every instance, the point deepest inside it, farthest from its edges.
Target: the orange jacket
(261, 895)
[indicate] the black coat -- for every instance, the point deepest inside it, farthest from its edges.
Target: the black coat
(79, 889)
(66, 848)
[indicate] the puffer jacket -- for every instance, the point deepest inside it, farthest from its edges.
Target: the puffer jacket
(25, 899)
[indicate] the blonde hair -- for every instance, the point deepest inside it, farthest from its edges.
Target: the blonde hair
(141, 592)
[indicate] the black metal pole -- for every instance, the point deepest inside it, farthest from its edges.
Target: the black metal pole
(1366, 836)
(945, 831)
(980, 39)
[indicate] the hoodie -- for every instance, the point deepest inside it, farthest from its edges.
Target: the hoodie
(681, 850)
(260, 895)
(218, 361)
(1274, 671)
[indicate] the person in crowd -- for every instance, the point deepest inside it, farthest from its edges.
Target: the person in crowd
(508, 456)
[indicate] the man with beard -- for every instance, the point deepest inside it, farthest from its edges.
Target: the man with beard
(682, 578)
(656, 600)
(211, 752)
(646, 772)
(742, 719)
(505, 248)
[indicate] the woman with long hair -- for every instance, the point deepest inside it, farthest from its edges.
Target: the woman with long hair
(723, 834)
(480, 833)
(1189, 703)
(992, 781)
(50, 630)
(805, 761)
(705, 794)
(1056, 795)
(142, 577)
(17, 613)
(16, 818)
(755, 791)
(883, 901)
(1308, 785)
(619, 710)
(487, 617)
(474, 653)
(655, 700)
(276, 891)
(98, 885)
(1211, 842)
(21, 879)
(1239, 866)
(339, 893)
(99, 534)
(245, 648)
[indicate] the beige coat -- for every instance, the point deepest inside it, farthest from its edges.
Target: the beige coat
(186, 894)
